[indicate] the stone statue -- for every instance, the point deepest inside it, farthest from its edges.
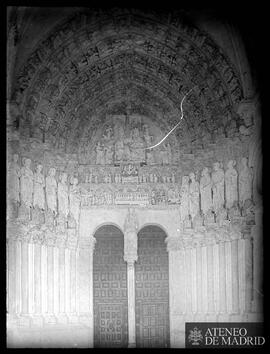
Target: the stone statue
(231, 193)
(168, 154)
(245, 182)
(130, 236)
(108, 154)
(150, 158)
(184, 194)
(14, 174)
(100, 158)
(62, 194)
(39, 185)
(147, 137)
(119, 150)
(218, 183)
(137, 147)
(74, 199)
(206, 191)
(27, 184)
(51, 191)
(194, 196)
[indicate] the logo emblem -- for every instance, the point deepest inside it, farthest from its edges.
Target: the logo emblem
(195, 336)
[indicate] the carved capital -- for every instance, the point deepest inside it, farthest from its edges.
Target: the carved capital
(174, 243)
(50, 237)
(87, 243)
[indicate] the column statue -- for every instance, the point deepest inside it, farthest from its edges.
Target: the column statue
(62, 194)
(184, 206)
(231, 192)
(39, 185)
(130, 236)
(27, 184)
(245, 182)
(51, 191)
(74, 199)
(14, 174)
(194, 196)
(218, 186)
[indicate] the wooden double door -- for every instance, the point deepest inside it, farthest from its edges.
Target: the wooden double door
(110, 291)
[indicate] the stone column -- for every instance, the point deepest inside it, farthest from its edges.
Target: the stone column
(24, 278)
(199, 278)
(130, 256)
(84, 304)
(37, 319)
(62, 317)
(11, 277)
(131, 303)
(18, 269)
(222, 279)
(248, 273)
(31, 283)
(257, 236)
(210, 278)
(72, 246)
(228, 260)
(177, 283)
(235, 276)
(50, 285)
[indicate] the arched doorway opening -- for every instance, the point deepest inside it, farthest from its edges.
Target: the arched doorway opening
(152, 289)
(110, 289)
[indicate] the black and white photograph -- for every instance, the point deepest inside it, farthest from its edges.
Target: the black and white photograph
(134, 204)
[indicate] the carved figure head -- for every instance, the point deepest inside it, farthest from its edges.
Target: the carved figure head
(52, 172)
(64, 178)
(231, 164)
(216, 166)
(185, 180)
(192, 176)
(27, 163)
(39, 168)
(205, 171)
(15, 157)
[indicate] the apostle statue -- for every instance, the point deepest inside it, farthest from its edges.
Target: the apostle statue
(119, 150)
(14, 174)
(231, 192)
(194, 196)
(206, 192)
(51, 191)
(74, 199)
(62, 194)
(218, 184)
(27, 184)
(100, 157)
(39, 185)
(184, 206)
(245, 182)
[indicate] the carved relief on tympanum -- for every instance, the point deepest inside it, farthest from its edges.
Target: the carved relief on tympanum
(129, 142)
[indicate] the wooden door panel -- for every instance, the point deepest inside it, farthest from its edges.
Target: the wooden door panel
(152, 289)
(110, 290)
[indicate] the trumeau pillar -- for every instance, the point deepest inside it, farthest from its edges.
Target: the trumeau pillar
(131, 256)
(84, 303)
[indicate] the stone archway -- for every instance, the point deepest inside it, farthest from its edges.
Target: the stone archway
(152, 289)
(110, 289)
